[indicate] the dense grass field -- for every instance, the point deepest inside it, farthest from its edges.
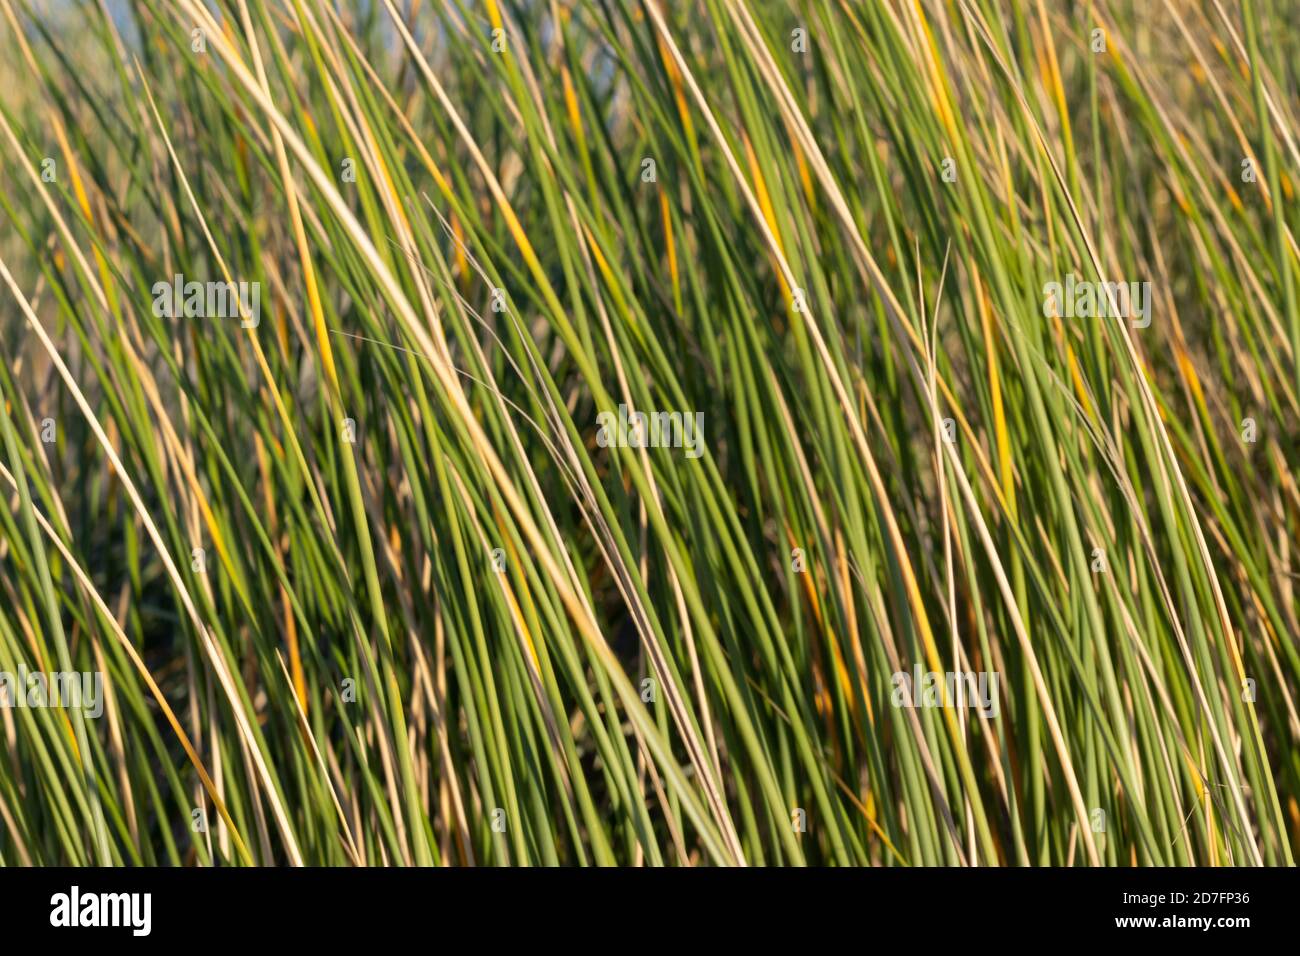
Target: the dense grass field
(587, 432)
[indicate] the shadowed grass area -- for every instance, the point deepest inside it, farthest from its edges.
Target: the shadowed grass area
(966, 337)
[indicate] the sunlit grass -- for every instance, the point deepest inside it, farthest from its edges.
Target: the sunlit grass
(366, 582)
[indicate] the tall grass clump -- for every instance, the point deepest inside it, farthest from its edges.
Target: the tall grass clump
(966, 338)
